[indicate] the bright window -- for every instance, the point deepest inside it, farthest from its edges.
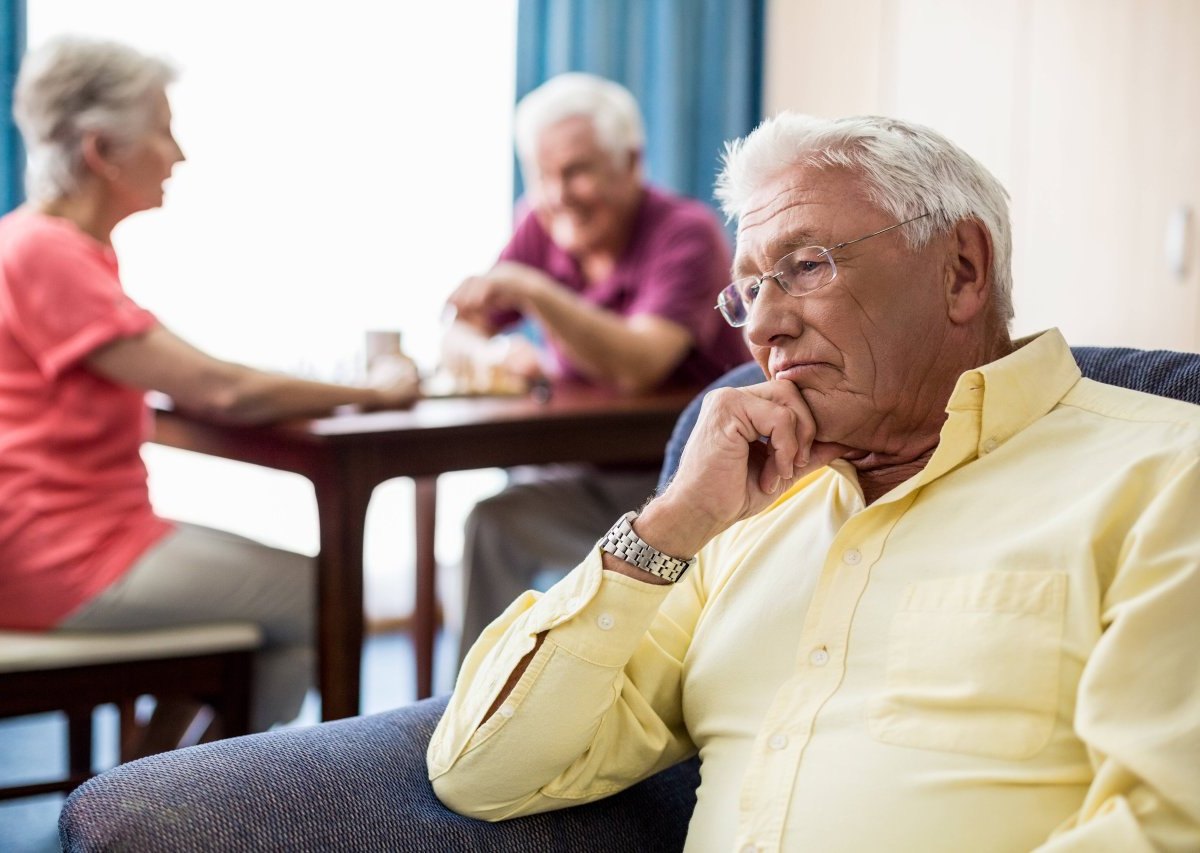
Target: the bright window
(347, 165)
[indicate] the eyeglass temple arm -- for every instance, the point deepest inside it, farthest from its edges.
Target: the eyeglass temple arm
(880, 231)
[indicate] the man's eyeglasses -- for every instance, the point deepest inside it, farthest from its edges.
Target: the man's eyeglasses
(797, 274)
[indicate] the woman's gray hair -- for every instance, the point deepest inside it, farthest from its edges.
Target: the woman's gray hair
(72, 86)
(907, 170)
(611, 108)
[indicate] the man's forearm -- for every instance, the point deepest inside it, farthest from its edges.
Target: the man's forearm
(611, 564)
(606, 347)
(574, 641)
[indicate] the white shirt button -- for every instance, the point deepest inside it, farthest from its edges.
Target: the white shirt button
(852, 557)
(506, 711)
(990, 445)
(605, 622)
(778, 741)
(819, 656)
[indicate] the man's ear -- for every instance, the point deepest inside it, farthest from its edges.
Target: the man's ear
(969, 274)
(635, 162)
(96, 151)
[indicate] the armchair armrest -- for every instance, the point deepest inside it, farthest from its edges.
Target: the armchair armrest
(358, 784)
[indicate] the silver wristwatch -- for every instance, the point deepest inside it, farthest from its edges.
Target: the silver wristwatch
(622, 542)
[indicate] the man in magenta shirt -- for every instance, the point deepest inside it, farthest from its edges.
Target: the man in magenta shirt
(619, 280)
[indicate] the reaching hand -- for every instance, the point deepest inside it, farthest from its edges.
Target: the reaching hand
(508, 286)
(396, 379)
(521, 357)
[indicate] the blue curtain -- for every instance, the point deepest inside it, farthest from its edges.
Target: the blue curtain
(695, 67)
(12, 155)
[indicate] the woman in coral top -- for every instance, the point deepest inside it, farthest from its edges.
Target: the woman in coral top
(80, 545)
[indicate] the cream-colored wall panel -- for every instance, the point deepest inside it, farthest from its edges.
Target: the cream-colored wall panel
(1087, 110)
(1079, 63)
(1114, 90)
(823, 58)
(1166, 167)
(959, 68)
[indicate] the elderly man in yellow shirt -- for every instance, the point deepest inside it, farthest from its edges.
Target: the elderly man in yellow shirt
(925, 589)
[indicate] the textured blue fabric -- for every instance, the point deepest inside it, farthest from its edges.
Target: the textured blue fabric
(695, 67)
(12, 153)
(1162, 372)
(357, 784)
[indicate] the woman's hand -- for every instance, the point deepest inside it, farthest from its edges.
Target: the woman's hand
(396, 380)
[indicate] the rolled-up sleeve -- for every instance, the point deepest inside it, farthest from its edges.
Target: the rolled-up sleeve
(597, 708)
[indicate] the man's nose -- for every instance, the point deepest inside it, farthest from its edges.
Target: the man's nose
(774, 313)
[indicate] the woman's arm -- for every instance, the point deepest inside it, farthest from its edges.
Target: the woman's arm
(221, 390)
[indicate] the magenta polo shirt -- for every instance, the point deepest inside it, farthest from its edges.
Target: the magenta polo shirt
(75, 510)
(675, 264)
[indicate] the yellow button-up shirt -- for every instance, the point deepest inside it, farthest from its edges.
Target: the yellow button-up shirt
(1001, 654)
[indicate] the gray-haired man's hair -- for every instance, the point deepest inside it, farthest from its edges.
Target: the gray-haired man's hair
(611, 108)
(907, 169)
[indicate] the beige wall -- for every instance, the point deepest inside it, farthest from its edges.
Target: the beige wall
(1087, 110)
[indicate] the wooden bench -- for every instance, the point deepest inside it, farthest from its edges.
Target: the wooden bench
(75, 672)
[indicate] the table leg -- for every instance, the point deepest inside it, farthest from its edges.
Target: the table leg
(342, 515)
(425, 604)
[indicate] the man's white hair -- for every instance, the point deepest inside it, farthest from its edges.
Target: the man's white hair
(907, 170)
(612, 109)
(72, 86)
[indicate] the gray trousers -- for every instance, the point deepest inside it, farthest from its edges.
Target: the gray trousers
(198, 574)
(536, 530)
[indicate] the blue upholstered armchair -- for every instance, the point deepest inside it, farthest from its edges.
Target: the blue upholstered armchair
(360, 784)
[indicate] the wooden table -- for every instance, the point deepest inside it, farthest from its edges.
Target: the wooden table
(348, 455)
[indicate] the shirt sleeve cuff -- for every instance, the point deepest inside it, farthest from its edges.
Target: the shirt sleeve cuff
(125, 323)
(605, 626)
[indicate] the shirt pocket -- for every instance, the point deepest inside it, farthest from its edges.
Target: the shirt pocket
(973, 665)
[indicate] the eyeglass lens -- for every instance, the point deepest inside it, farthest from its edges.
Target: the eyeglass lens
(797, 274)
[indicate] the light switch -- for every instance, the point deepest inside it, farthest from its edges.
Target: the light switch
(1178, 242)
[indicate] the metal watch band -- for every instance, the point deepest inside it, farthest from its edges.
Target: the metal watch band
(622, 542)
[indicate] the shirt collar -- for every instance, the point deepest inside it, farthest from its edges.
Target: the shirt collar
(990, 404)
(994, 402)
(1013, 392)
